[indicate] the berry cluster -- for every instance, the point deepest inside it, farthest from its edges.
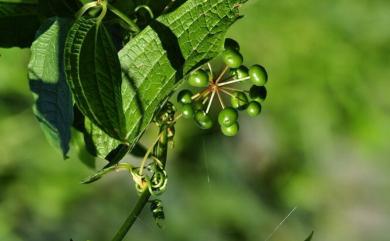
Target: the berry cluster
(197, 106)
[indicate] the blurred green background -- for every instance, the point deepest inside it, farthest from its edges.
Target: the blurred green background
(321, 144)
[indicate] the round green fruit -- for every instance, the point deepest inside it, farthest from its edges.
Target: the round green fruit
(227, 117)
(232, 44)
(187, 111)
(184, 97)
(239, 100)
(199, 78)
(253, 109)
(242, 72)
(258, 75)
(230, 130)
(232, 58)
(197, 106)
(258, 93)
(203, 120)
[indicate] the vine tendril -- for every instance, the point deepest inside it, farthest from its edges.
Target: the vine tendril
(147, 8)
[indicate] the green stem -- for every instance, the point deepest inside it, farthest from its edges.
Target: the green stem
(139, 206)
(133, 26)
(160, 152)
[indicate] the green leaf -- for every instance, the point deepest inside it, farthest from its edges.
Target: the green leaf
(18, 24)
(79, 149)
(154, 62)
(61, 8)
(94, 133)
(94, 75)
(53, 100)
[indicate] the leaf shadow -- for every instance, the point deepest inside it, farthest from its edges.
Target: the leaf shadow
(53, 94)
(79, 125)
(170, 44)
(138, 100)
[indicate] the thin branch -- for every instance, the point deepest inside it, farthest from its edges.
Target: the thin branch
(220, 100)
(234, 81)
(280, 224)
(228, 93)
(141, 169)
(160, 152)
(222, 74)
(205, 100)
(211, 101)
(211, 71)
(234, 89)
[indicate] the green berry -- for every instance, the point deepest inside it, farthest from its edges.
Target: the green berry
(203, 120)
(187, 111)
(258, 75)
(242, 72)
(239, 100)
(184, 97)
(254, 109)
(232, 58)
(232, 44)
(197, 106)
(199, 78)
(227, 117)
(258, 93)
(230, 130)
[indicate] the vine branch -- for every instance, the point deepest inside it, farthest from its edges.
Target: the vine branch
(160, 152)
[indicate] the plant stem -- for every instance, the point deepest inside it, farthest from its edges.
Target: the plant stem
(160, 152)
(139, 206)
(133, 26)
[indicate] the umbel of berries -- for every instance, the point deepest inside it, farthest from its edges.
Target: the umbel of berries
(197, 104)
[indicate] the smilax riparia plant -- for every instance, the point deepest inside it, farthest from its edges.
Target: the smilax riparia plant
(101, 72)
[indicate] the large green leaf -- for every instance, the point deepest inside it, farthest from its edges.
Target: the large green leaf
(155, 61)
(18, 23)
(53, 100)
(94, 75)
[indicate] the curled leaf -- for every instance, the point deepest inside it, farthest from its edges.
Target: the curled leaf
(94, 75)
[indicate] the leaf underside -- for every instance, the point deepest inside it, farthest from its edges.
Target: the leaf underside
(154, 62)
(18, 24)
(53, 100)
(93, 73)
